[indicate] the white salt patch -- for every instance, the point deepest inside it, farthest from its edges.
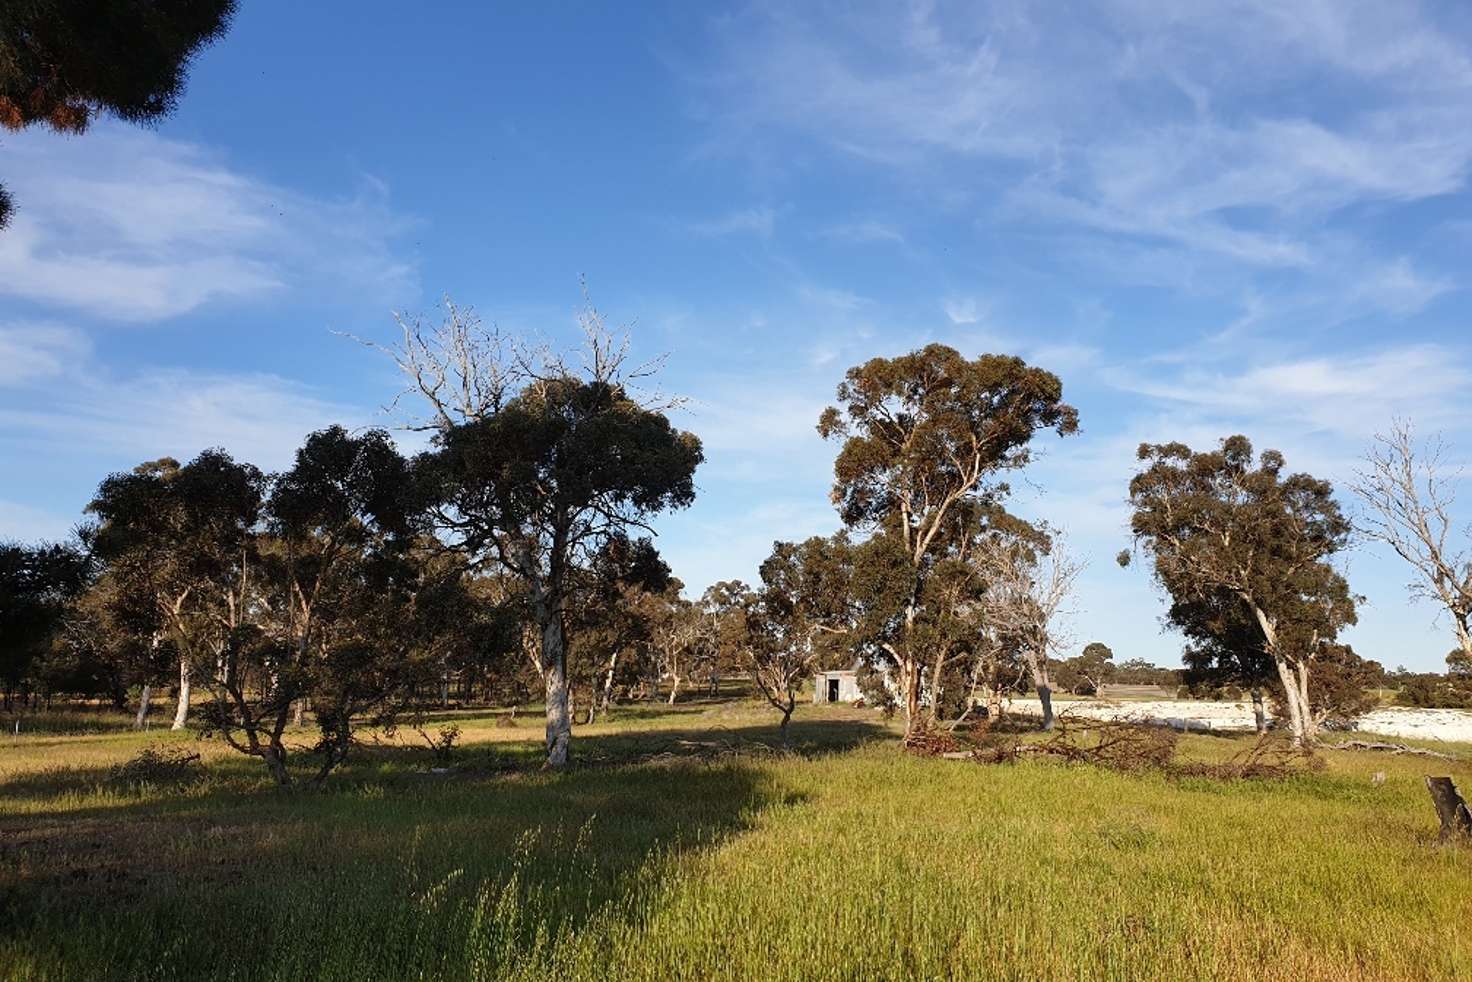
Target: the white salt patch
(1452, 725)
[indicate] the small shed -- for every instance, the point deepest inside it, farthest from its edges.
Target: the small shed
(837, 686)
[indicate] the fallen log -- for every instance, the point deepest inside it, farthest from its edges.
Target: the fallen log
(1395, 749)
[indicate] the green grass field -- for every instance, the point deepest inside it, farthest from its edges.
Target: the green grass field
(681, 848)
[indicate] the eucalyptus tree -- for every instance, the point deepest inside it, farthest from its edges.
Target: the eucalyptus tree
(390, 621)
(180, 539)
(1213, 524)
(333, 562)
(674, 637)
(37, 585)
(724, 628)
(1087, 672)
(537, 463)
(800, 619)
(924, 434)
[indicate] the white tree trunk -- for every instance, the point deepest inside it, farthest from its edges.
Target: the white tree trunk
(554, 672)
(145, 702)
(608, 680)
(186, 678)
(1290, 700)
(1310, 726)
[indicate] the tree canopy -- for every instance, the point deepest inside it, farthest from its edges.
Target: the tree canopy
(535, 466)
(925, 436)
(63, 62)
(1219, 522)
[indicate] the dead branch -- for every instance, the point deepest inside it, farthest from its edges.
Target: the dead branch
(1395, 749)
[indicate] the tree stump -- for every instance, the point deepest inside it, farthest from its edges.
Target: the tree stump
(1456, 820)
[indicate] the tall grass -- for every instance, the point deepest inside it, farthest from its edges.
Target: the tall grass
(851, 861)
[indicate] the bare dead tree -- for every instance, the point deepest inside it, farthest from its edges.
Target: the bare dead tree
(1408, 500)
(1027, 593)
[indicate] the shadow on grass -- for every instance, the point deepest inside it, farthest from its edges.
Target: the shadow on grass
(310, 884)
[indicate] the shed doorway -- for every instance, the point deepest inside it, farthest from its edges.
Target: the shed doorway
(833, 690)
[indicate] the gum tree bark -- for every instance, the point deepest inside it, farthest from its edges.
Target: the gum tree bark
(186, 681)
(145, 703)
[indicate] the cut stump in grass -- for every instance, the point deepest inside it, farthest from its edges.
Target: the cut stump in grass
(1456, 820)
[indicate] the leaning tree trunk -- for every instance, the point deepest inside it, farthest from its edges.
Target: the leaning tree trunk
(1310, 725)
(674, 688)
(145, 703)
(1290, 700)
(186, 678)
(1259, 717)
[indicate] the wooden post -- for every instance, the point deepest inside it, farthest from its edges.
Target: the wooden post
(1456, 820)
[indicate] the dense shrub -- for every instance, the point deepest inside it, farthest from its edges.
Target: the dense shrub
(1431, 691)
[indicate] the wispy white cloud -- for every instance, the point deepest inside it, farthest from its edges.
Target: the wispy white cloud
(831, 298)
(964, 310)
(864, 232)
(746, 221)
(29, 352)
(123, 419)
(128, 225)
(1167, 125)
(1350, 395)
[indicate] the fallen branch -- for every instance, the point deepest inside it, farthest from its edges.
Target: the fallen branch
(1395, 749)
(1128, 747)
(932, 743)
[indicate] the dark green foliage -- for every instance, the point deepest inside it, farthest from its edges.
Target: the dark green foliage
(36, 585)
(567, 458)
(1138, 671)
(540, 484)
(1225, 643)
(166, 528)
(1236, 543)
(356, 618)
(64, 61)
(1430, 691)
(1343, 686)
(1086, 673)
(926, 424)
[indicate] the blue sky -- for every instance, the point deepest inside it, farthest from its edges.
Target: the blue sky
(1241, 217)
